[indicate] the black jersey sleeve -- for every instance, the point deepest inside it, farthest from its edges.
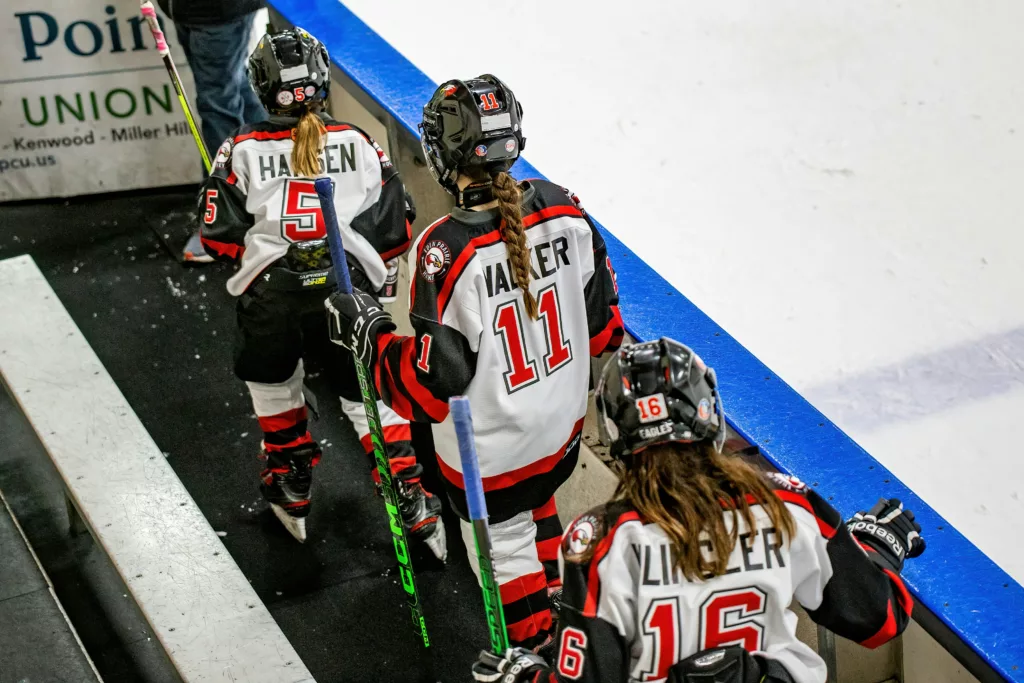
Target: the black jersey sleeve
(383, 221)
(417, 375)
(223, 218)
(845, 591)
(602, 297)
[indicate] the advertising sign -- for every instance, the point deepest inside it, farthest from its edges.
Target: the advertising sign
(86, 105)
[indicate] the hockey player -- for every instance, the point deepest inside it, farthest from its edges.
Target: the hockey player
(512, 293)
(686, 575)
(259, 207)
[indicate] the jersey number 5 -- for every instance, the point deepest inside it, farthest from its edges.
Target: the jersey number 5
(726, 618)
(301, 219)
(508, 324)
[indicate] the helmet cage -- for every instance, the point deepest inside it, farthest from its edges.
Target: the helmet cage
(688, 394)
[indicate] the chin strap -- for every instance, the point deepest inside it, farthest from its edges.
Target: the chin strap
(475, 195)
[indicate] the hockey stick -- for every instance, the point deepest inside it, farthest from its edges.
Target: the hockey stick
(165, 53)
(463, 419)
(325, 190)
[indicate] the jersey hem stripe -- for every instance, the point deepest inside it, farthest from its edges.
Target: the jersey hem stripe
(507, 479)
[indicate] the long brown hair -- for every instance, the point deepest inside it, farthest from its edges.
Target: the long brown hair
(513, 234)
(684, 489)
(308, 135)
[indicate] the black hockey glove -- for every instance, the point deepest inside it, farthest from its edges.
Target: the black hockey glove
(519, 665)
(354, 321)
(890, 531)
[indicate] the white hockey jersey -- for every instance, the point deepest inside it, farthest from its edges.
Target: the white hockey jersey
(629, 614)
(252, 208)
(526, 380)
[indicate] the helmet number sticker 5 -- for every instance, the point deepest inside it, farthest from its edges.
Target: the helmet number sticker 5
(652, 408)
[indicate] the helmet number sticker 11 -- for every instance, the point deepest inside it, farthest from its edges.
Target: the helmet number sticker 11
(488, 101)
(651, 408)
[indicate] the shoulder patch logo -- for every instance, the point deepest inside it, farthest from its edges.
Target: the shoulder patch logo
(224, 154)
(580, 536)
(436, 259)
(787, 482)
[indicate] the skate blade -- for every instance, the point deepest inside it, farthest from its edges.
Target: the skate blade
(438, 542)
(296, 526)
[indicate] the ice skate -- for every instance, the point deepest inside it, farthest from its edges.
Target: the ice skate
(286, 485)
(194, 251)
(421, 511)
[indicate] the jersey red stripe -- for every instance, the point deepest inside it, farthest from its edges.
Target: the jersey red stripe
(399, 403)
(884, 634)
(222, 248)
(548, 509)
(282, 421)
(232, 179)
(437, 410)
(902, 594)
(824, 527)
(506, 479)
(459, 265)
(594, 578)
(600, 341)
(550, 212)
(548, 550)
(282, 134)
(263, 135)
(397, 251)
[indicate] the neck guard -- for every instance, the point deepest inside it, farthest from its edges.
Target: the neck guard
(475, 195)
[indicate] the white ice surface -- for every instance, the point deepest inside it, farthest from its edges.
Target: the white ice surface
(838, 184)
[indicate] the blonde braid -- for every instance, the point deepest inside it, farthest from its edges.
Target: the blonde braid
(513, 234)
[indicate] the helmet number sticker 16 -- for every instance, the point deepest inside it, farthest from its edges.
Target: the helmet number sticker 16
(652, 408)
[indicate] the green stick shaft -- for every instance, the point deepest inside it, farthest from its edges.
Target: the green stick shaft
(489, 587)
(325, 192)
(399, 537)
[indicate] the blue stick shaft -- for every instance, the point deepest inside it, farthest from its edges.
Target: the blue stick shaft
(463, 419)
(325, 190)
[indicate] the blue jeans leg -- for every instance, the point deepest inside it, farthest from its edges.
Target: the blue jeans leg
(224, 99)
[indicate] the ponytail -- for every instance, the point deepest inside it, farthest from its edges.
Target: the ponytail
(308, 135)
(506, 191)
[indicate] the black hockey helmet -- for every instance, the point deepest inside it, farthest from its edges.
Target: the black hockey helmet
(289, 70)
(471, 124)
(657, 392)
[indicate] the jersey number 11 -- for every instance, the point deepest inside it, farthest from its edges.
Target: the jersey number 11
(508, 324)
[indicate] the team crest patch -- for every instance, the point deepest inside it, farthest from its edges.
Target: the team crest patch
(224, 154)
(436, 259)
(787, 482)
(580, 536)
